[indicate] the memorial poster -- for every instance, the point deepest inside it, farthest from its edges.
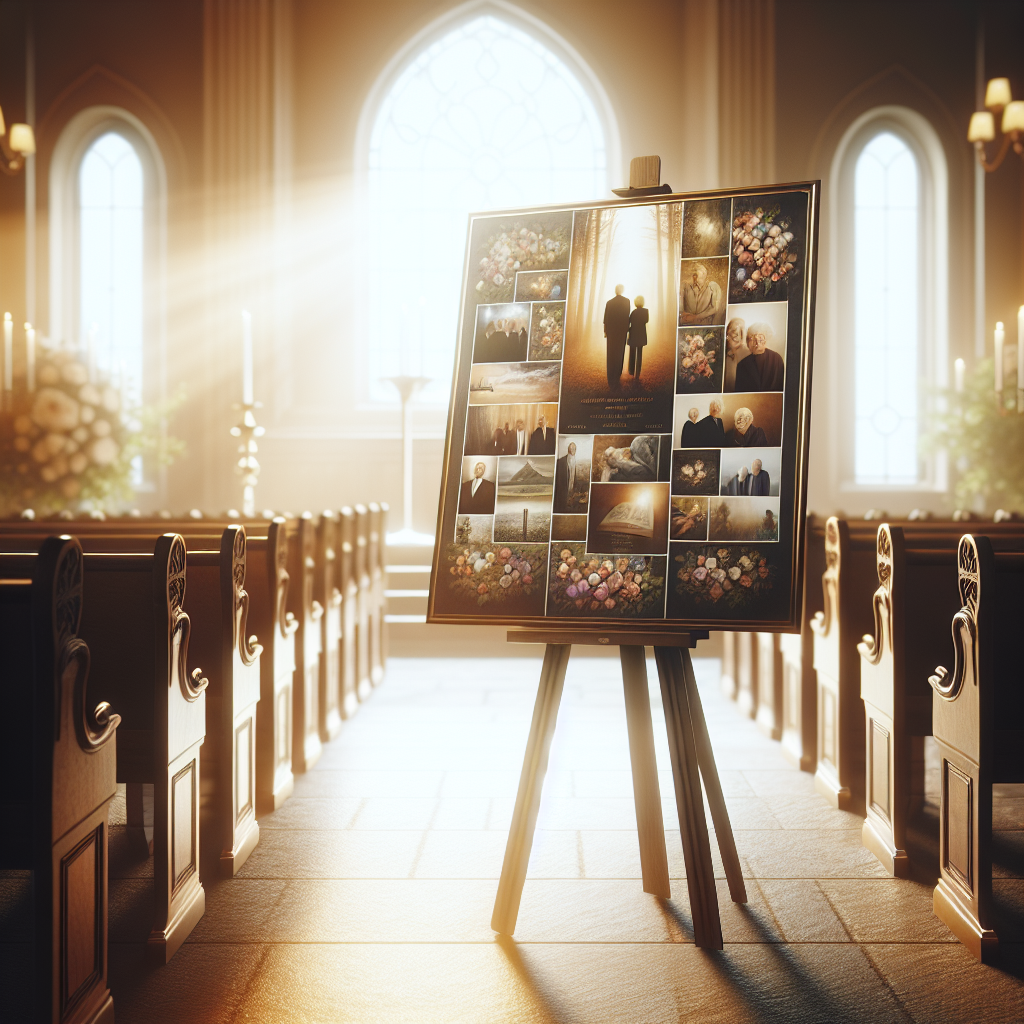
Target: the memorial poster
(627, 434)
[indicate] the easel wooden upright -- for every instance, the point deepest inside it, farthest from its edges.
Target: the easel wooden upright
(692, 759)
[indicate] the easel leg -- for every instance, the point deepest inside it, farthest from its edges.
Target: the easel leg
(693, 827)
(646, 792)
(535, 764)
(713, 786)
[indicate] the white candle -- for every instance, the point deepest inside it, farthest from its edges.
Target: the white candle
(8, 352)
(91, 354)
(958, 375)
(30, 357)
(247, 389)
(1000, 339)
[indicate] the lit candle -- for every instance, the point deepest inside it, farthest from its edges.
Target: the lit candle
(958, 375)
(247, 398)
(8, 352)
(93, 332)
(1000, 339)
(30, 357)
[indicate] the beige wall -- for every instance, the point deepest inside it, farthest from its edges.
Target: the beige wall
(732, 92)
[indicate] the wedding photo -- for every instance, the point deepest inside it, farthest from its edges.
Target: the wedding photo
(744, 519)
(510, 429)
(702, 291)
(546, 326)
(695, 470)
(769, 234)
(630, 518)
(751, 471)
(706, 227)
(523, 507)
(502, 332)
(503, 246)
(688, 519)
(628, 458)
(572, 473)
(755, 346)
(513, 383)
(699, 370)
(752, 420)
(620, 321)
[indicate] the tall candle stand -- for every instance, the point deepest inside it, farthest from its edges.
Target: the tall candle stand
(247, 467)
(407, 387)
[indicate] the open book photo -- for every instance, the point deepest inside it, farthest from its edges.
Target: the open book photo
(629, 517)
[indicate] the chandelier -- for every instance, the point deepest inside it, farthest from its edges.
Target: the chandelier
(982, 129)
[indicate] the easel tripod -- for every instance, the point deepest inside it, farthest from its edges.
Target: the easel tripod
(692, 759)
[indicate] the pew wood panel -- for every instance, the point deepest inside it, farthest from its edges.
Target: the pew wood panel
(63, 755)
(349, 586)
(306, 744)
(364, 645)
(327, 593)
(768, 651)
(746, 673)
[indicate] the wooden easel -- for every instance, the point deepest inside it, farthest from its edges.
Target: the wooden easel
(692, 760)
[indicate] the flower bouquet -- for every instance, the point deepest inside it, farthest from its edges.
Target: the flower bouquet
(70, 441)
(546, 333)
(605, 584)
(495, 575)
(515, 247)
(764, 252)
(699, 361)
(734, 575)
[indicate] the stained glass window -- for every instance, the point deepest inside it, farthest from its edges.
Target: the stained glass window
(887, 286)
(486, 117)
(110, 283)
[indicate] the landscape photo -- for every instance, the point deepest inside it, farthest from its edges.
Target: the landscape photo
(522, 511)
(513, 383)
(744, 519)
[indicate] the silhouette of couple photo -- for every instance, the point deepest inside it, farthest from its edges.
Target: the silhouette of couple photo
(622, 328)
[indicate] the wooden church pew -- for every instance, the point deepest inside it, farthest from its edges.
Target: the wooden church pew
(978, 724)
(349, 587)
(376, 557)
(327, 591)
(306, 743)
(768, 710)
(361, 571)
(912, 606)
(746, 673)
(59, 760)
(799, 683)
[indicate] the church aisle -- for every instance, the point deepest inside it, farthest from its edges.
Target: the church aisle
(369, 895)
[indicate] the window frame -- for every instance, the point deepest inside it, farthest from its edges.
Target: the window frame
(933, 304)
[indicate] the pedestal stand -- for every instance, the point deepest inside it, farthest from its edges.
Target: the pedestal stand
(407, 387)
(692, 759)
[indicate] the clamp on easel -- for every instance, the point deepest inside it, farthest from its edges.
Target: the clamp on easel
(692, 760)
(644, 179)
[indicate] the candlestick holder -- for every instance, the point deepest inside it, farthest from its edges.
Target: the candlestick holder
(407, 387)
(248, 467)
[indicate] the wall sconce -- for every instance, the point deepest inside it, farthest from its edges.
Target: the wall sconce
(20, 143)
(982, 129)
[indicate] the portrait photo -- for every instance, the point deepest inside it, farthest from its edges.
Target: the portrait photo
(630, 458)
(572, 473)
(702, 291)
(755, 339)
(510, 429)
(584, 584)
(706, 227)
(474, 530)
(688, 519)
(496, 579)
(523, 507)
(541, 285)
(569, 527)
(502, 246)
(502, 332)
(513, 383)
(546, 325)
(752, 420)
(699, 422)
(628, 518)
(699, 369)
(695, 470)
(478, 487)
(769, 236)
(744, 519)
(751, 471)
(620, 329)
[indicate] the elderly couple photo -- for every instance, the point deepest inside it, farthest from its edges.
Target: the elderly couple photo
(755, 347)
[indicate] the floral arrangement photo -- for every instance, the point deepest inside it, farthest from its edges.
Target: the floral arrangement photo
(764, 251)
(733, 575)
(546, 331)
(606, 585)
(515, 247)
(497, 574)
(69, 442)
(700, 362)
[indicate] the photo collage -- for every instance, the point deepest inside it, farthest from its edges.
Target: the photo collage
(623, 439)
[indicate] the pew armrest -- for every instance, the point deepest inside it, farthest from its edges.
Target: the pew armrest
(965, 635)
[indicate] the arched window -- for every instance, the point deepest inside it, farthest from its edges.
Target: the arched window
(888, 278)
(111, 258)
(482, 116)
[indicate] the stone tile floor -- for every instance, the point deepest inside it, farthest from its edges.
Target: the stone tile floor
(369, 896)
